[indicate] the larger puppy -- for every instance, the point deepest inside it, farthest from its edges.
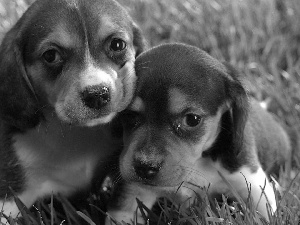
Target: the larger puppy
(66, 67)
(191, 119)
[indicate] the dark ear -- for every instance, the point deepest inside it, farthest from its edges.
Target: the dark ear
(139, 42)
(17, 98)
(239, 107)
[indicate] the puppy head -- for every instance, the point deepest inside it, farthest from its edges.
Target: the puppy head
(183, 97)
(71, 59)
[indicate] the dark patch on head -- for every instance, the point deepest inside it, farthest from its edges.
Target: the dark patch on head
(187, 68)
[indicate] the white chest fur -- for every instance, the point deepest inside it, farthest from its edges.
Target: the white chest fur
(242, 181)
(60, 158)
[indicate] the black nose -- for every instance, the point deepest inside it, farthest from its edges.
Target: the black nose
(146, 170)
(95, 97)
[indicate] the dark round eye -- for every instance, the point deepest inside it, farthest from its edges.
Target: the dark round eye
(117, 45)
(52, 56)
(191, 120)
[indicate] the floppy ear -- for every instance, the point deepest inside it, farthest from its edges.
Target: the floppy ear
(17, 98)
(239, 107)
(139, 42)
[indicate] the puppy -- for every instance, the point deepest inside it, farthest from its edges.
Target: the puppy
(66, 68)
(190, 121)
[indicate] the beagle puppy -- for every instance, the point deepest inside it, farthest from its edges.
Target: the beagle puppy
(191, 122)
(67, 68)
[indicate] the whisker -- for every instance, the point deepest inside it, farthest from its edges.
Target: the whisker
(191, 172)
(145, 67)
(117, 179)
(39, 127)
(223, 128)
(61, 129)
(41, 108)
(141, 64)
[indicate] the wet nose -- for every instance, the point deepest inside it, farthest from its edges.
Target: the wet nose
(146, 170)
(96, 97)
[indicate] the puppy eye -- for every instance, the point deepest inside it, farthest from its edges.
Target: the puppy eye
(52, 56)
(117, 45)
(191, 120)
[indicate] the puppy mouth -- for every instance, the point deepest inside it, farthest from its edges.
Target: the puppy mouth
(82, 116)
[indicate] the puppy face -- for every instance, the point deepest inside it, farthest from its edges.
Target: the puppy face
(77, 58)
(176, 117)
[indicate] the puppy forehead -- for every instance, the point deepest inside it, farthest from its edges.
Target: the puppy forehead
(199, 78)
(61, 35)
(177, 101)
(179, 92)
(43, 17)
(110, 25)
(106, 16)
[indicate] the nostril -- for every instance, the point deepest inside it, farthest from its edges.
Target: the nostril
(146, 170)
(96, 97)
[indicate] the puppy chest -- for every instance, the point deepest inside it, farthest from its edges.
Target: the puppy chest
(59, 163)
(57, 170)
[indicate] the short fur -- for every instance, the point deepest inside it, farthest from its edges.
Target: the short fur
(67, 68)
(190, 120)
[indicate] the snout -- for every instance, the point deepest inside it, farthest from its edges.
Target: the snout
(147, 164)
(157, 170)
(146, 170)
(158, 160)
(96, 96)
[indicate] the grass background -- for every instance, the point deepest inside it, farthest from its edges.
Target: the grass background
(260, 37)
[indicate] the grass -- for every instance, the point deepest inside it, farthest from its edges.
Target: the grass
(262, 39)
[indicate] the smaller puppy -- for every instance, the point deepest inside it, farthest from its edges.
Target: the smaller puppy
(191, 119)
